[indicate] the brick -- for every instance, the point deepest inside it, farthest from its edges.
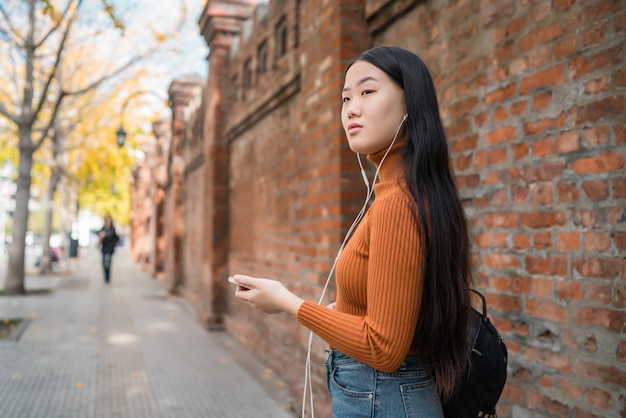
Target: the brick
(620, 240)
(571, 390)
(563, 4)
(499, 114)
(596, 190)
(541, 125)
(501, 220)
(520, 194)
(550, 77)
(548, 358)
(543, 147)
(596, 241)
(597, 85)
(581, 65)
(500, 261)
(541, 35)
(620, 352)
(569, 290)
(541, 101)
(619, 300)
(545, 381)
(520, 151)
(540, 57)
(503, 134)
(542, 240)
(598, 398)
(596, 136)
(591, 344)
(598, 217)
(548, 266)
(500, 95)
(543, 219)
(579, 413)
(601, 268)
(619, 189)
(614, 321)
(599, 372)
(619, 78)
(569, 241)
(595, 35)
(542, 194)
(568, 142)
(505, 303)
(548, 310)
(464, 144)
(590, 113)
(598, 292)
(542, 287)
(521, 241)
(602, 163)
(568, 192)
(520, 285)
(566, 47)
(620, 134)
(518, 107)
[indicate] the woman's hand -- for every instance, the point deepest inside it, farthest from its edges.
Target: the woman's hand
(269, 296)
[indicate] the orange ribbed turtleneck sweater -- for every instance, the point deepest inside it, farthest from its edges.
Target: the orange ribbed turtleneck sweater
(379, 280)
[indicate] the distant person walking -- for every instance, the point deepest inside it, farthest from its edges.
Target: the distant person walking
(107, 241)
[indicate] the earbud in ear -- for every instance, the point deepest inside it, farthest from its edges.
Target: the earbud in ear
(406, 115)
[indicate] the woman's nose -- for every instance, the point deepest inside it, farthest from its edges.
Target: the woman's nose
(354, 109)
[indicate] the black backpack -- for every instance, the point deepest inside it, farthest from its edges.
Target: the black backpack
(479, 394)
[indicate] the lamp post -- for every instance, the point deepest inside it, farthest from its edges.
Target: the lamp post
(120, 135)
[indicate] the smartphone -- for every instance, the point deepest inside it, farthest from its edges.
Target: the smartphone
(233, 281)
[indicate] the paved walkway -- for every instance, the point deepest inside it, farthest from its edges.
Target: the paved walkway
(123, 350)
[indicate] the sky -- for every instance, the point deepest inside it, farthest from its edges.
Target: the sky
(190, 48)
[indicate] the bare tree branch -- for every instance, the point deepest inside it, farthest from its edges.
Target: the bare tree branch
(55, 27)
(11, 28)
(46, 131)
(4, 112)
(44, 93)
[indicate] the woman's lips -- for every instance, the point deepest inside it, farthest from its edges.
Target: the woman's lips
(354, 127)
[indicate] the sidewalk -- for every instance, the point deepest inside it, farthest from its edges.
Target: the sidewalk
(123, 350)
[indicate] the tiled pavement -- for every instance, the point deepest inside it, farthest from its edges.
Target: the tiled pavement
(123, 350)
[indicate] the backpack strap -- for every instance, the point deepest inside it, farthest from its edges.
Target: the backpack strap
(475, 321)
(483, 300)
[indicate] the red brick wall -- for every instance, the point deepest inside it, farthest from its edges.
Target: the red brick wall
(533, 98)
(193, 156)
(532, 94)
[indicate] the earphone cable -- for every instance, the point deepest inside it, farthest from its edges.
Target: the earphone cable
(308, 383)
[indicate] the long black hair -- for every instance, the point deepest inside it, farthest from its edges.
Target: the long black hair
(441, 331)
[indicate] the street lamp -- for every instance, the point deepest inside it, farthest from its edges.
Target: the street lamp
(121, 133)
(121, 136)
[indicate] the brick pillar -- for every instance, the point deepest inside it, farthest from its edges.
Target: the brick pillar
(339, 26)
(181, 91)
(219, 23)
(158, 164)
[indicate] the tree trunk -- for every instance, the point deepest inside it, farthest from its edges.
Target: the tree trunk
(45, 265)
(14, 284)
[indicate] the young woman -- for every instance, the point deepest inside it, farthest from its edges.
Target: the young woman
(107, 240)
(397, 332)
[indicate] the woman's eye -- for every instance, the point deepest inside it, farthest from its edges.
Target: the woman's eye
(345, 99)
(366, 92)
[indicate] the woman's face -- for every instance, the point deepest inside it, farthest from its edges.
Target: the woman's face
(373, 108)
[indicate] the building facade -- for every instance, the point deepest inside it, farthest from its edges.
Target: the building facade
(533, 97)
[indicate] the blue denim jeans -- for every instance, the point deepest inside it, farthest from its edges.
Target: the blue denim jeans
(358, 390)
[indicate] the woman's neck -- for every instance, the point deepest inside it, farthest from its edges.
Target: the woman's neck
(392, 166)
